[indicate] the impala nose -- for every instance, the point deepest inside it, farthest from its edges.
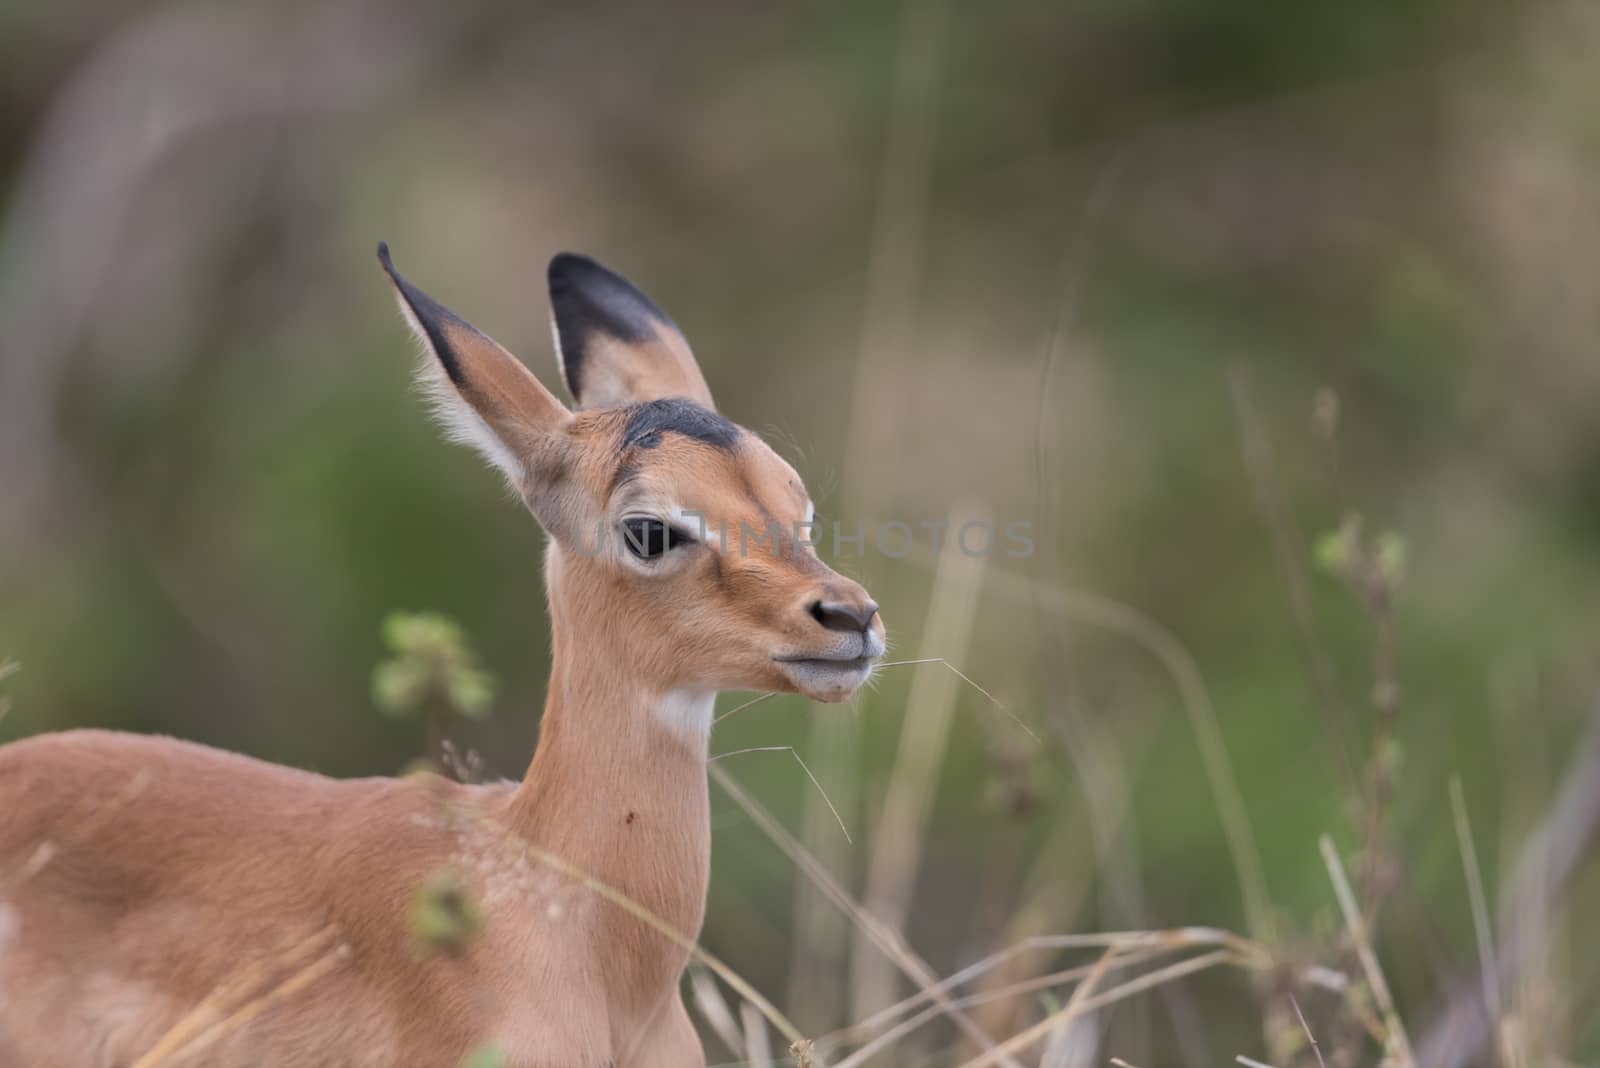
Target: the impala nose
(844, 616)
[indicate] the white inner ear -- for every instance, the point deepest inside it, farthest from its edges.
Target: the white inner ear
(605, 385)
(459, 420)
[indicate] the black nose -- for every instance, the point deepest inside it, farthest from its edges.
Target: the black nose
(836, 615)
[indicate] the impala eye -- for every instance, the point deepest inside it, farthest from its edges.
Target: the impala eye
(648, 538)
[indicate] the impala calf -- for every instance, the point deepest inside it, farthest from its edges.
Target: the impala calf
(140, 877)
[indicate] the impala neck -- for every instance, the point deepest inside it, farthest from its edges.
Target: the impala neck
(617, 788)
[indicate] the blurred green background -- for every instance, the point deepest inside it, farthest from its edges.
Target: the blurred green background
(1179, 282)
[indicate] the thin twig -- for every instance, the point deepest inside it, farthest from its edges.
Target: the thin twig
(1311, 1038)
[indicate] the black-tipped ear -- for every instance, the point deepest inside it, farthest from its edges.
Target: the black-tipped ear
(615, 346)
(429, 315)
(485, 397)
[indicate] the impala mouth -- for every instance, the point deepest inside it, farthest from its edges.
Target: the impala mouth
(829, 677)
(829, 663)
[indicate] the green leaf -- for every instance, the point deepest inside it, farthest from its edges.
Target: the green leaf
(444, 916)
(485, 1057)
(399, 686)
(1391, 557)
(472, 692)
(1333, 551)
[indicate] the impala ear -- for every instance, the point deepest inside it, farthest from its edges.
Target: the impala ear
(486, 398)
(615, 346)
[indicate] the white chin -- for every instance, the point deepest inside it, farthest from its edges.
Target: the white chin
(828, 680)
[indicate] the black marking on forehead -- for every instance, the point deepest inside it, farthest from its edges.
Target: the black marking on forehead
(648, 421)
(432, 316)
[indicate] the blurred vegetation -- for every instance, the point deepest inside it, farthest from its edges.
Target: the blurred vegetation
(1184, 284)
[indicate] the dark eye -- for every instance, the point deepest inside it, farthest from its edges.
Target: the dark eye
(647, 538)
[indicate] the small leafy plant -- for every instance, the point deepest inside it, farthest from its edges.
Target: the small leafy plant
(433, 672)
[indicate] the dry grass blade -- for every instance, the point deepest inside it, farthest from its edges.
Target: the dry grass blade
(902, 826)
(1136, 946)
(1026, 986)
(1114, 616)
(292, 985)
(757, 1042)
(518, 848)
(1398, 1040)
(888, 942)
(246, 987)
(1171, 972)
(639, 912)
(1487, 959)
(1174, 971)
(803, 767)
(1073, 1007)
(8, 667)
(1250, 1062)
(1122, 619)
(47, 851)
(714, 1009)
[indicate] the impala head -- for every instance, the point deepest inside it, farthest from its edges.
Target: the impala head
(676, 536)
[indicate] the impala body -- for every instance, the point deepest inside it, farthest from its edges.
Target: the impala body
(166, 903)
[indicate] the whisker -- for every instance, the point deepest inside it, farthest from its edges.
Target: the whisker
(964, 677)
(791, 751)
(741, 708)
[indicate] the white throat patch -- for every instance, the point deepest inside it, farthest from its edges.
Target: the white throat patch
(687, 713)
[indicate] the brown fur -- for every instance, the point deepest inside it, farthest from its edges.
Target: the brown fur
(140, 876)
